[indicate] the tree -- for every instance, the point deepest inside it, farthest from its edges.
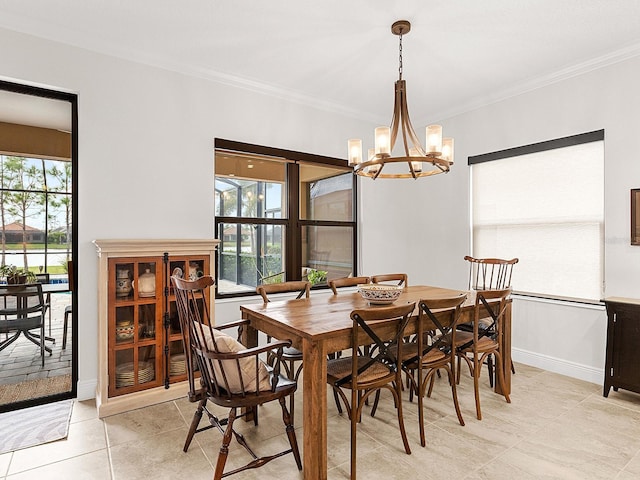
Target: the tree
(63, 202)
(25, 198)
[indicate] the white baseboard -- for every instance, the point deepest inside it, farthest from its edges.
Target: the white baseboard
(87, 389)
(558, 365)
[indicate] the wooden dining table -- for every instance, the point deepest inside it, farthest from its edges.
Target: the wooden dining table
(321, 325)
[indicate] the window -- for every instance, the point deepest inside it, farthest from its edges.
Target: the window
(35, 215)
(544, 204)
(281, 215)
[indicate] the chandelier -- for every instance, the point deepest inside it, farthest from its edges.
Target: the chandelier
(435, 157)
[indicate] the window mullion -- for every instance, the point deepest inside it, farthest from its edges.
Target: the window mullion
(293, 234)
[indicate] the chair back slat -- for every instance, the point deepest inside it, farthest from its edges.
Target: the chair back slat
(337, 283)
(490, 273)
(399, 279)
(302, 287)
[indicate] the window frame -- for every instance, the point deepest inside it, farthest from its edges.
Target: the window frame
(293, 223)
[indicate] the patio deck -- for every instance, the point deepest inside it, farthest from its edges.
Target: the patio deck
(21, 360)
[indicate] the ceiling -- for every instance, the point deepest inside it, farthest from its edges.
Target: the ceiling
(340, 55)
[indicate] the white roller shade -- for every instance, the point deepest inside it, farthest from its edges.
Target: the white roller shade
(547, 209)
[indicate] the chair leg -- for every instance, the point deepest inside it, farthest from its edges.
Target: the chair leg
(454, 394)
(490, 369)
(337, 399)
(476, 387)
(432, 381)
(423, 441)
(224, 448)
(293, 375)
(197, 416)
(291, 398)
(64, 329)
(354, 417)
(42, 341)
(291, 432)
(375, 401)
(397, 393)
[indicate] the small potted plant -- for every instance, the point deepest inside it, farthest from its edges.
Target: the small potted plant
(316, 276)
(17, 275)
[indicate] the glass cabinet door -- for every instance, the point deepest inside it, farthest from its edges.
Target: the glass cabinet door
(135, 322)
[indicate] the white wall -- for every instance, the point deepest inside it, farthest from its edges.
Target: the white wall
(145, 156)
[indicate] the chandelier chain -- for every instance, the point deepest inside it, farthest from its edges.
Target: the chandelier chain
(400, 58)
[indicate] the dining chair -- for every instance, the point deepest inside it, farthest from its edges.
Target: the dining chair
(337, 283)
(379, 368)
(231, 375)
(432, 350)
(44, 279)
(290, 355)
(400, 279)
(489, 274)
(474, 347)
(68, 310)
(24, 310)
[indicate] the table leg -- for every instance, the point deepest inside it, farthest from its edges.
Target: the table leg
(314, 410)
(505, 350)
(249, 338)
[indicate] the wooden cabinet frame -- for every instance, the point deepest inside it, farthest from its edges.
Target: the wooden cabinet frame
(134, 255)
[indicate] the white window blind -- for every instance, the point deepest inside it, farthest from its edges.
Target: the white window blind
(547, 209)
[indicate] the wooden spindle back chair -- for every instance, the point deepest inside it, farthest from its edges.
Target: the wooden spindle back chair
(231, 375)
(489, 274)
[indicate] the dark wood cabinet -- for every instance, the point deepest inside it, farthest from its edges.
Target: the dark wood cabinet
(622, 366)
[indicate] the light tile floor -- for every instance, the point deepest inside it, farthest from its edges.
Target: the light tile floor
(555, 428)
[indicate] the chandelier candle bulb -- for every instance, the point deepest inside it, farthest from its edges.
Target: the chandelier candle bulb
(382, 140)
(447, 149)
(434, 139)
(355, 151)
(372, 156)
(417, 165)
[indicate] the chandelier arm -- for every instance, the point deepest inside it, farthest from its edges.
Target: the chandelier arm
(408, 127)
(397, 118)
(404, 115)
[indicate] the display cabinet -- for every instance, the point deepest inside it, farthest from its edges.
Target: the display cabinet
(141, 352)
